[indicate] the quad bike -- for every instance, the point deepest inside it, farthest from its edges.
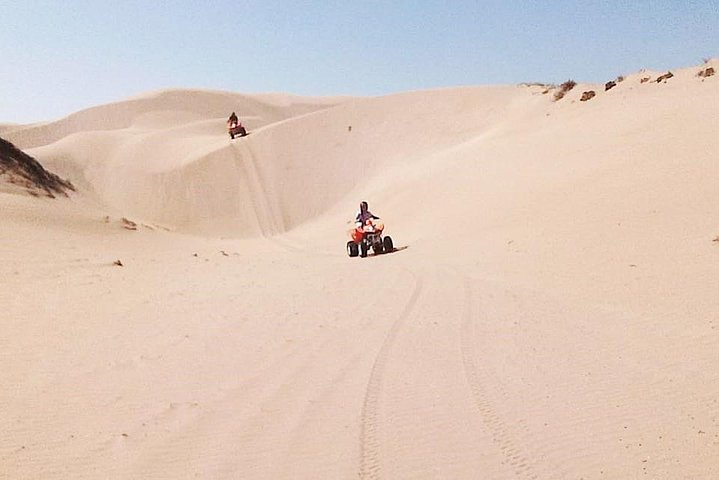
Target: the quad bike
(236, 130)
(369, 236)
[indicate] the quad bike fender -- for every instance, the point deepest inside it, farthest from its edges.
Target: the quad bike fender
(356, 234)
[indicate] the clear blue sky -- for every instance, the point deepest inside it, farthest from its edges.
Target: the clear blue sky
(61, 56)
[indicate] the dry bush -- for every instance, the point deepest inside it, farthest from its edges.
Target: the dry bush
(665, 77)
(707, 72)
(588, 95)
(563, 89)
(546, 87)
(613, 83)
(21, 169)
(537, 84)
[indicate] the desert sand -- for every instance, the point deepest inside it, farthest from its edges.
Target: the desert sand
(550, 311)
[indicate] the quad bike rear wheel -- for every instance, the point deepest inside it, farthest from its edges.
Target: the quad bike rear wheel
(388, 244)
(363, 249)
(378, 248)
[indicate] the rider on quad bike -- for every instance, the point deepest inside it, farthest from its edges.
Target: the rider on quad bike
(368, 234)
(235, 127)
(364, 214)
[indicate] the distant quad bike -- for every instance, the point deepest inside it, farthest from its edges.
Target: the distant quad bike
(236, 131)
(369, 236)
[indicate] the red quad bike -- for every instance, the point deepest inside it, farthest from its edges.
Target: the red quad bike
(369, 236)
(236, 130)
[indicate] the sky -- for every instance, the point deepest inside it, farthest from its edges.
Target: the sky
(58, 57)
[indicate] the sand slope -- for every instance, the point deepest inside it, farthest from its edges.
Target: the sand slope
(550, 314)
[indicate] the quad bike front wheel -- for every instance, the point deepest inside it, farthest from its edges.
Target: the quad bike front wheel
(363, 249)
(352, 249)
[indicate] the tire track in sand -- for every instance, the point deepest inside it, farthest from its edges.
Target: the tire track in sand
(370, 446)
(269, 216)
(477, 378)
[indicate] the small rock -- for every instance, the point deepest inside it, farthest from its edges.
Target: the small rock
(645, 80)
(118, 263)
(128, 224)
(610, 85)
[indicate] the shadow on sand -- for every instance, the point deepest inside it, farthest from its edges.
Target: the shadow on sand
(396, 249)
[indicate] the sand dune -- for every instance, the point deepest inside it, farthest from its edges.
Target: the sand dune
(550, 314)
(183, 105)
(7, 126)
